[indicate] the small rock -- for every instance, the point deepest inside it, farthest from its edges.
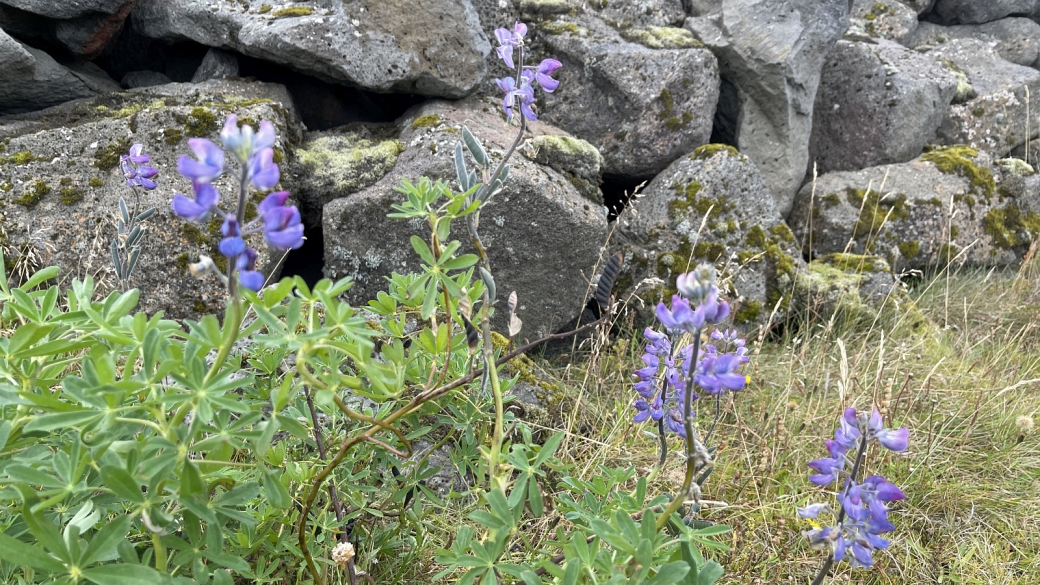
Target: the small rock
(1017, 39)
(979, 11)
(890, 20)
(216, 64)
(31, 80)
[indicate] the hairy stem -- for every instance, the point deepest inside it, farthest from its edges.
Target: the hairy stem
(691, 438)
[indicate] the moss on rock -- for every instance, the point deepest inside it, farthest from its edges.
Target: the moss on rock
(348, 162)
(566, 153)
(1010, 227)
(710, 150)
(292, 11)
(426, 121)
(874, 210)
(107, 158)
(33, 194)
(662, 37)
(960, 160)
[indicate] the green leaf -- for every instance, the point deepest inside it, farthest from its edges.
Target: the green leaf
(122, 483)
(106, 542)
(52, 348)
(464, 261)
(548, 449)
(570, 576)
(423, 250)
(49, 422)
(710, 573)
(45, 532)
(670, 573)
(122, 574)
(534, 497)
(476, 150)
(5, 425)
(275, 492)
(23, 555)
(41, 276)
(499, 506)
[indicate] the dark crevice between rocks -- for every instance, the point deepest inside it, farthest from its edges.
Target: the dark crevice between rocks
(724, 126)
(617, 190)
(307, 261)
(323, 105)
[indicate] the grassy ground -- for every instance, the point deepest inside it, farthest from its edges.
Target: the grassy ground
(967, 387)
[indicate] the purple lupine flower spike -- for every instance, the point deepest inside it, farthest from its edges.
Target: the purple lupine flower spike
(206, 198)
(247, 274)
(541, 73)
(509, 39)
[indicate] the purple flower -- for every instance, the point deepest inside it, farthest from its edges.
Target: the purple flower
(263, 173)
(718, 374)
(242, 142)
(525, 92)
(208, 164)
(882, 489)
(247, 275)
(282, 227)
(812, 511)
(541, 74)
(697, 283)
(826, 469)
(232, 245)
(206, 198)
(681, 317)
(509, 39)
(134, 171)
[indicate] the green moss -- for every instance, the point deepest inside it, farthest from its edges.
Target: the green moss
(965, 199)
(667, 104)
(783, 232)
(264, 9)
(199, 307)
(960, 160)
(954, 231)
(32, 195)
(935, 201)
(676, 123)
(278, 156)
(558, 28)
(1010, 228)
(172, 136)
(426, 121)
(199, 122)
(748, 312)
(107, 158)
(21, 158)
(875, 211)
(662, 37)
(710, 150)
(978, 112)
(70, 195)
(566, 153)
(686, 199)
(910, 249)
(854, 263)
(293, 11)
(194, 235)
(947, 252)
(756, 237)
(182, 262)
(711, 251)
(95, 182)
(831, 199)
(347, 163)
(6, 186)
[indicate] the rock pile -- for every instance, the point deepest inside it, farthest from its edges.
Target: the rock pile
(770, 134)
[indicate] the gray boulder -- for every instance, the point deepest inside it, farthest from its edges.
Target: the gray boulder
(623, 14)
(95, 78)
(994, 121)
(67, 8)
(31, 80)
(951, 204)
(542, 236)
(60, 185)
(26, 26)
(1016, 39)
(743, 234)
(878, 103)
(643, 102)
(771, 54)
(86, 37)
(144, 79)
(979, 11)
(353, 41)
(216, 64)
(884, 20)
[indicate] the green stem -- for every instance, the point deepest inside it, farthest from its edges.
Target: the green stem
(498, 434)
(160, 553)
(690, 436)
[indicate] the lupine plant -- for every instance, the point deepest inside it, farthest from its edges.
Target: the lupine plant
(862, 514)
(281, 447)
(126, 246)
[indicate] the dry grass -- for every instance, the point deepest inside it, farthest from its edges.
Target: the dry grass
(972, 514)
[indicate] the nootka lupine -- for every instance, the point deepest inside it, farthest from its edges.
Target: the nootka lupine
(126, 246)
(279, 223)
(673, 376)
(862, 513)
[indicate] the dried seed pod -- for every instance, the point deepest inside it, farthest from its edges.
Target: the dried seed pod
(607, 279)
(472, 335)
